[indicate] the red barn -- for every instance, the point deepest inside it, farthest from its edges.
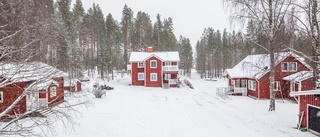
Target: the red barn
(24, 83)
(154, 69)
(252, 75)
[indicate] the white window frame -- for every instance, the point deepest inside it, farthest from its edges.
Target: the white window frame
(1, 97)
(151, 63)
(283, 70)
(252, 85)
(276, 83)
(167, 63)
(53, 91)
(139, 76)
(295, 65)
(243, 81)
(139, 65)
(238, 83)
(155, 74)
(167, 76)
(292, 86)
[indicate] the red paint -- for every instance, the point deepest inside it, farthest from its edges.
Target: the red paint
(10, 95)
(135, 71)
(150, 70)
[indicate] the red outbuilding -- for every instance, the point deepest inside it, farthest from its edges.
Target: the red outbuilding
(154, 69)
(30, 85)
(308, 99)
(72, 85)
(252, 75)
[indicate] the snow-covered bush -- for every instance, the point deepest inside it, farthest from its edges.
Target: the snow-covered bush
(97, 91)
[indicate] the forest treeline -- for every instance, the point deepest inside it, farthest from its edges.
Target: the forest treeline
(217, 51)
(75, 40)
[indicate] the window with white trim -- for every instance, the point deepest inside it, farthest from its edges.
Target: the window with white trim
(140, 76)
(243, 83)
(153, 64)
(1, 97)
(140, 65)
(293, 66)
(284, 66)
(167, 63)
(153, 77)
(276, 86)
(53, 91)
(292, 86)
(167, 76)
(252, 85)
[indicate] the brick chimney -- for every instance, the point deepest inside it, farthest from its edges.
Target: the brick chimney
(149, 49)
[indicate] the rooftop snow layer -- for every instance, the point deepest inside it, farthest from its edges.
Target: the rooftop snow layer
(18, 72)
(299, 76)
(164, 56)
(255, 66)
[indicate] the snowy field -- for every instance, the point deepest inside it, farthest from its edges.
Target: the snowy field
(136, 111)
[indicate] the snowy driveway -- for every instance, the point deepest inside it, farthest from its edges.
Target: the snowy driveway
(135, 111)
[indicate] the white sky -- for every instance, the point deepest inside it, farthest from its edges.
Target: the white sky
(190, 17)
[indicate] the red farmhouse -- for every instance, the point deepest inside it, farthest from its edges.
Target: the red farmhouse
(251, 76)
(31, 85)
(154, 69)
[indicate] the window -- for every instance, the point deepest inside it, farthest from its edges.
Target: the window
(276, 86)
(238, 83)
(167, 63)
(243, 83)
(153, 64)
(167, 76)
(293, 66)
(140, 76)
(292, 86)
(252, 85)
(53, 91)
(140, 65)
(153, 77)
(1, 96)
(284, 66)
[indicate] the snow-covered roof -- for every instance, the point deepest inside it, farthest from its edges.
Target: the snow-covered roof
(18, 72)
(299, 76)
(164, 56)
(256, 66)
(68, 82)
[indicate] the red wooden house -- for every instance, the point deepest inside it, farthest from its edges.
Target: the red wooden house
(251, 76)
(301, 88)
(32, 84)
(154, 69)
(72, 85)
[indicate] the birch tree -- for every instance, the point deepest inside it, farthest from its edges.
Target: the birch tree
(270, 15)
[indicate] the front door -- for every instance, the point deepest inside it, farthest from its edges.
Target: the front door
(32, 101)
(314, 119)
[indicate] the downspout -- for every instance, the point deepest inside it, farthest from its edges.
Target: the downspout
(258, 88)
(162, 74)
(145, 73)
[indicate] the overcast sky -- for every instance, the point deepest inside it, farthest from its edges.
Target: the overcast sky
(190, 17)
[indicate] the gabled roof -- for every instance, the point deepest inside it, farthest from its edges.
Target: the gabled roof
(163, 56)
(256, 66)
(299, 76)
(19, 72)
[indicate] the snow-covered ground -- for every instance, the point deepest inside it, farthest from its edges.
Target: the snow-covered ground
(137, 111)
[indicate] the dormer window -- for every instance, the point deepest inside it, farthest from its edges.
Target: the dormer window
(53, 92)
(284, 66)
(293, 66)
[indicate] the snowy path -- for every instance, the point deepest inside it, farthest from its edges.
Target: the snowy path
(135, 111)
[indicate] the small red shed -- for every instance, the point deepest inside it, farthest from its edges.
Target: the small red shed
(252, 75)
(154, 69)
(72, 85)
